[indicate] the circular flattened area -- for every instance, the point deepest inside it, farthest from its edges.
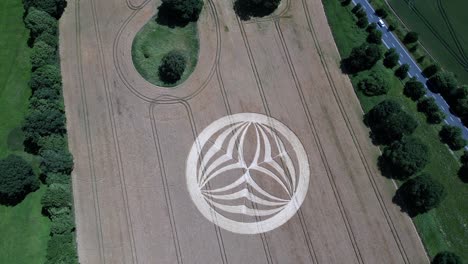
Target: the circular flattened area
(247, 173)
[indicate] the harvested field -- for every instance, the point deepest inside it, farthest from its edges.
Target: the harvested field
(131, 142)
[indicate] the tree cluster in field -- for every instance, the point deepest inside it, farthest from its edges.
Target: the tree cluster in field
(45, 129)
(178, 13)
(404, 156)
(172, 67)
(246, 9)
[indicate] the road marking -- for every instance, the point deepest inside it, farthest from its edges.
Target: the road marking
(385, 43)
(446, 122)
(393, 44)
(451, 118)
(409, 74)
(442, 107)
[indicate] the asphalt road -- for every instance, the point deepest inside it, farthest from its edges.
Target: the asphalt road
(391, 41)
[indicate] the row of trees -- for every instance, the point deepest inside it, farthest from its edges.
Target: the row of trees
(403, 155)
(45, 130)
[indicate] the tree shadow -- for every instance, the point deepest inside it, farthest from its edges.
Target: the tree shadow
(400, 199)
(15, 139)
(463, 174)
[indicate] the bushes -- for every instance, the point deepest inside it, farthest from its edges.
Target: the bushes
(414, 89)
(375, 83)
(419, 195)
(39, 22)
(404, 158)
(363, 57)
(411, 37)
(391, 58)
(381, 12)
(179, 12)
(443, 82)
(57, 196)
(172, 67)
(42, 54)
(429, 107)
(452, 136)
(402, 71)
(375, 36)
(388, 122)
(44, 127)
(17, 179)
(255, 8)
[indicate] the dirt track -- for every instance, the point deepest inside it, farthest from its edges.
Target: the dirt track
(131, 139)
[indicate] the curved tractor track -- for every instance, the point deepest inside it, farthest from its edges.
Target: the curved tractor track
(130, 141)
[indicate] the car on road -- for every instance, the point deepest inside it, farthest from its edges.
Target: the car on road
(381, 23)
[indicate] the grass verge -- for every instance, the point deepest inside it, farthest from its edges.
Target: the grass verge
(153, 41)
(443, 228)
(25, 231)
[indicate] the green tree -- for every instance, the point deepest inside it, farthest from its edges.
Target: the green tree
(391, 58)
(42, 121)
(375, 36)
(57, 178)
(357, 8)
(404, 158)
(255, 8)
(452, 136)
(57, 196)
(362, 22)
(411, 37)
(58, 161)
(54, 8)
(429, 107)
(179, 12)
(430, 70)
(443, 82)
(381, 12)
(38, 22)
(62, 224)
(375, 83)
(42, 54)
(17, 179)
(402, 71)
(363, 57)
(172, 67)
(420, 194)
(47, 76)
(48, 38)
(414, 89)
(61, 249)
(446, 257)
(388, 122)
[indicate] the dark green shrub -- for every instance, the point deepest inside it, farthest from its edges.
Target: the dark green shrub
(363, 57)
(404, 158)
(443, 82)
(54, 8)
(57, 196)
(402, 71)
(61, 249)
(435, 117)
(430, 70)
(362, 22)
(463, 173)
(452, 136)
(446, 257)
(38, 22)
(172, 67)
(388, 122)
(411, 37)
(49, 39)
(371, 27)
(179, 12)
(361, 13)
(375, 36)
(17, 179)
(47, 76)
(464, 157)
(414, 89)
(356, 8)
(57, 178)
(58, 161)
(391, 58)
(42, 54)
(429, 107)
(381, 12)
(375, 83)
(419, 195)
(62, 224)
